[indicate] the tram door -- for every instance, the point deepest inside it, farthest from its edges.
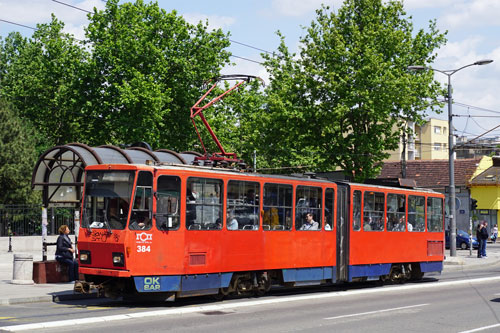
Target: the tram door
(342, 232)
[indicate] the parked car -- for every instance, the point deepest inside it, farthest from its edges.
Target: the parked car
(463, 240)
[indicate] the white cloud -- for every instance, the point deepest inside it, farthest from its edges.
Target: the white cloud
(416, 4)
(476, 86)
(302, 7)
(214, 21)
(33, 12)
(457, 53)
(472, 13)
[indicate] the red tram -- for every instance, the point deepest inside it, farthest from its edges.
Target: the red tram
(180, 231)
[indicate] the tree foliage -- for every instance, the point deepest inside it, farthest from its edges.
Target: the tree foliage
(343, 100)
(146, 70)
(133, 78)
(17, 158)
(340, 102)
(43, 81)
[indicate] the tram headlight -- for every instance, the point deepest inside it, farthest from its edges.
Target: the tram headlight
(118, 259)
(85, 257)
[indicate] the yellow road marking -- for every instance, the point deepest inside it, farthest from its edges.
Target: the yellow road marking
(99, 307)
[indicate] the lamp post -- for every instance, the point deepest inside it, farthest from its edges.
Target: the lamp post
(452, 208)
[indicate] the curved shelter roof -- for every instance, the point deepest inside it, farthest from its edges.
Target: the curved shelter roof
(59, 171)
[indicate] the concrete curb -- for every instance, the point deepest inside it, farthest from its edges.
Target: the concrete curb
(22, 300)
(57, 297)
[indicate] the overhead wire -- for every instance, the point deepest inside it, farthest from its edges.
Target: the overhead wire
(231, 40)
(466, 123)
(35, 29)
(475, 107)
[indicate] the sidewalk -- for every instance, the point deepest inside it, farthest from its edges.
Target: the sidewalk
(31, 293)
(464, 260)
(16, 294)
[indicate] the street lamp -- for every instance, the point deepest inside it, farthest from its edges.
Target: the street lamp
(449, 73)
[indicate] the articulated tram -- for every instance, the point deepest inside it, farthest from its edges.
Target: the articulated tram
(179, 230)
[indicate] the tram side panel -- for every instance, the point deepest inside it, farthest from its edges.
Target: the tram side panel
(377, 246)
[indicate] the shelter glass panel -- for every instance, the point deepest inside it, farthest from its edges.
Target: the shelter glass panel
(242, 205)
(416, 213)
(373, 211)
(204, 204)
(308, 203)
(396, 212)
(168, 191)
(435, 214)
(277, 207)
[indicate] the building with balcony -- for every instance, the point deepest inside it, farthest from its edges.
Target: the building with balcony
(426, 142)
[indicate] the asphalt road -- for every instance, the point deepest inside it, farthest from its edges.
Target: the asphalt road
(459, 301)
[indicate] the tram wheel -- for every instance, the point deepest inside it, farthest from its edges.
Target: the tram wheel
(396, 274)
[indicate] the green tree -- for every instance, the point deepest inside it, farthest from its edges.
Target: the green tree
(345, 98)
(42, 79)
(17, 158)
(134, 77)
(146, 70)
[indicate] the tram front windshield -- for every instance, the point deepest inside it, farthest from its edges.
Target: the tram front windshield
(106, 200)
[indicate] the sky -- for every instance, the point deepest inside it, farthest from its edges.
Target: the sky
(473, 34)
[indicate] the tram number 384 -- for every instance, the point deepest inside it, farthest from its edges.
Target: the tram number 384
(143, 248)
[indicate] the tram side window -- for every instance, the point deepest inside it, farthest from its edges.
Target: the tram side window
(373, 211)
(242, 205)
(329, 208)
(396, 212)
(204, 204)
(356, 210)
(140, 218)
(168, 192)
(277, 207)
(308, 202)
(435, 214)
(416, 213)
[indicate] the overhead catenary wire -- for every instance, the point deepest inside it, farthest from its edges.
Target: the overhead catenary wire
(475, 107)
(18, 24)
(231, 40)
(35, 29)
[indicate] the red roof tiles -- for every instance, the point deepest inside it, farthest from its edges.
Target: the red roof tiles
(432, 173)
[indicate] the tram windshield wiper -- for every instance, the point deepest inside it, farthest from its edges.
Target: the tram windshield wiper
(106, 223)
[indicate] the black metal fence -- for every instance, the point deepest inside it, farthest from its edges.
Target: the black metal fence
(26, 220)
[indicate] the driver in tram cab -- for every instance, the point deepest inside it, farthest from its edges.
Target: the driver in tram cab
(140, 223)
(114, 215)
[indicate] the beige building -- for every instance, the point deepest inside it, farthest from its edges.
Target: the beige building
(429, 142)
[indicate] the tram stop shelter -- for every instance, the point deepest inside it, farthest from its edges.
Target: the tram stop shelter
(59, 172)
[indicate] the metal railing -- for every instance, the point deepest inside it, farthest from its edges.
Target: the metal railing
(26, 220)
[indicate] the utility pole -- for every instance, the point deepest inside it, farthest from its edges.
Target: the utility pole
(451, 151)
